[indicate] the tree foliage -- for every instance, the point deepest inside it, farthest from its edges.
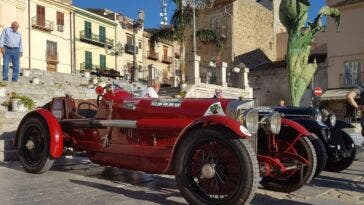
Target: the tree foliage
(293, 15)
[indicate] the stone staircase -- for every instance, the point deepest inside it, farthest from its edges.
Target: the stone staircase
(171, 92)
(51, 85)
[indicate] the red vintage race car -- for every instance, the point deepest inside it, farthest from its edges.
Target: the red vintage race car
(217, 149)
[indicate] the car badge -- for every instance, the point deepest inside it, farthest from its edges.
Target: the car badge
(215, 109)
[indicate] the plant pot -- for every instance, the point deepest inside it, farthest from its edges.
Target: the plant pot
(16, 105)
(86, 74)
(26, 73)
(2, 92)
(36, 81)
(95, 81)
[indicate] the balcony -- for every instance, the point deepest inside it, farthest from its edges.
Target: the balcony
(46, 25)
(60, 28)
(153, 55)
(92, 67)
(167, 59)
(52, 57)
(129, 48)
(96, 40)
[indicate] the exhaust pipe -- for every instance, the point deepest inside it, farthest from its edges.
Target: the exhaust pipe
(97, 124)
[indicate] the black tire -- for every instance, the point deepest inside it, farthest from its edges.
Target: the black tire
(294, 181)
(345, 142)
(321, 153)
(33, 146)
(239, 189)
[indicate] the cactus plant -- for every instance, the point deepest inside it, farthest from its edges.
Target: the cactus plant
(293, 15)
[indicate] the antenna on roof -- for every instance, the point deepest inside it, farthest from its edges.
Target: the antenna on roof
(164, 14)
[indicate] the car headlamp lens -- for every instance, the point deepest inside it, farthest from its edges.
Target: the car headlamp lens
(275, 123)
(249, 119)
(332, 120)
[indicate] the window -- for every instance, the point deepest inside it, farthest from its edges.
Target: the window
(351, 73)
(60, 18)
(88, 60)
(51, 48)
(129, 39)
(165, 52)
(215, 24)
(102, 62)
(102, 34)
(88, 30)
(40, 15)
(140, 45)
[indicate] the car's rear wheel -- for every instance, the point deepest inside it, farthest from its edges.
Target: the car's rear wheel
(292, 179)
(214, 167)
(33, 146)
(321, 153)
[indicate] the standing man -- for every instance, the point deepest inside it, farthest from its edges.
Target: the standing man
(11, 49)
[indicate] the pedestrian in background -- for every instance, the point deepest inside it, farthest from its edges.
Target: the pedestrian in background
(11, 49)
(282, 103)
(218, 94)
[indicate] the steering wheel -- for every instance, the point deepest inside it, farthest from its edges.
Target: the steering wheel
(100, 91)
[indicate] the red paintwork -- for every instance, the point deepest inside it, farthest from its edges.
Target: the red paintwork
(299, 128)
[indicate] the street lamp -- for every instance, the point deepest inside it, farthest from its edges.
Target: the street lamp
(199, 5)
(137, 24)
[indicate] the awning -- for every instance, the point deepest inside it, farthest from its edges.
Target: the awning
(335, 94)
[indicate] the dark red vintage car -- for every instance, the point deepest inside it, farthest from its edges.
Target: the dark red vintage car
(217, 149)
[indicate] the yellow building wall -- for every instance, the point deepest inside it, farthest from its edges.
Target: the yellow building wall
(39, 38)
(81, 47)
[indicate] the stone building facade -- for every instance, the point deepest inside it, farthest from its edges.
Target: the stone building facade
(244, 25)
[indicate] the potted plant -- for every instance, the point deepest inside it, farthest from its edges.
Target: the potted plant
(2, 89)
(19, 103)
(36, 81)
(26, 73)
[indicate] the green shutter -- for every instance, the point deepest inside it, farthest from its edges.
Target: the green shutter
(102, 34)
(102, 62)
(88, 30)
(88, 60)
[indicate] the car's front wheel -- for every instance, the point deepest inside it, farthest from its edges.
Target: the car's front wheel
(33, 146)
(214, 167)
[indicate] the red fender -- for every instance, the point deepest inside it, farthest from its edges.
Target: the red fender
(55, 132)
(303, 131)
(220, 120)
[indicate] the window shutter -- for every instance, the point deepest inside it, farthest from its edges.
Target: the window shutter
(102, 62)
(88, 60)
(102, 34)
(60, 18)
(88, 31)
(40, 15)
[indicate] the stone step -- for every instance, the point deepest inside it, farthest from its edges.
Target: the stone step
(9, 155)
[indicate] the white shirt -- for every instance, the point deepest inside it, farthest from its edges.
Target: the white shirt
(149, 93)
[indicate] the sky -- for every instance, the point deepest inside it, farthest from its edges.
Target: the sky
(152, 8)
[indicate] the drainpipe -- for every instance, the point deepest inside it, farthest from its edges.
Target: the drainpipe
(74, 41)
(115, 42)
(71, 42)
(29, 36)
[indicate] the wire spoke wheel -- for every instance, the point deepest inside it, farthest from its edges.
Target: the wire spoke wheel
(33, 145)
(212, 168)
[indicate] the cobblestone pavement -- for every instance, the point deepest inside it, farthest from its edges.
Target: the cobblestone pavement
(77, 181)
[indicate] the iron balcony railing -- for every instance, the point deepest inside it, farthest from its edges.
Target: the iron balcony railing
(95, 39)
(153, 55)
(44, 25)
(167, 59)
(92, 67)
(129, 48)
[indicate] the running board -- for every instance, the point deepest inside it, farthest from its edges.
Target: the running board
(97, 124)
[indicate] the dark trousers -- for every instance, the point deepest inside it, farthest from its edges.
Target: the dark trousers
(11, 55)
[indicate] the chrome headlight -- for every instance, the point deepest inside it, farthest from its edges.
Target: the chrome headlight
(272, 122)
(318, 117)
(332, 120)
(249, 119)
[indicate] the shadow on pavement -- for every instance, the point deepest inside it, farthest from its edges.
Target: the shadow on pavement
(261, 199)
(159, 198)
(338, 183)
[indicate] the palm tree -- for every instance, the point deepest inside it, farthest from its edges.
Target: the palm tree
(182, 19)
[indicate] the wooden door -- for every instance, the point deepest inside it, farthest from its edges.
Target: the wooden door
(52, 56)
